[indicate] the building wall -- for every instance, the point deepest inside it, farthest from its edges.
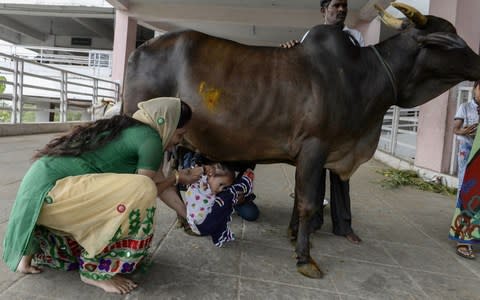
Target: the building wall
(436, 116)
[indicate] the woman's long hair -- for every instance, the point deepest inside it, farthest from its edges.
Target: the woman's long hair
(94, 135)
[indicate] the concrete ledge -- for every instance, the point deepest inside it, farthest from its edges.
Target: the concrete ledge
(428, 175)
(35, 128)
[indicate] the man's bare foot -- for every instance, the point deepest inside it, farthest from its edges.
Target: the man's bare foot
(25, 266)
(117, 284)
(353, 238)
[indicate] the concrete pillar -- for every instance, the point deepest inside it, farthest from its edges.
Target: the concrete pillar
(123, 43)
(434, 138)
(43, 115)
(86, 116)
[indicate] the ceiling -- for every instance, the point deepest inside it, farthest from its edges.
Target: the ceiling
(260, 22)
(265, 22)
(28, 24)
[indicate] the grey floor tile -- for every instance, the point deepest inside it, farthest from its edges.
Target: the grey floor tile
(169, 282)
(427, 259)
(268, 235)
(271, 227)
(7, 277)
(448, 288)
(434, 225)
(18, 155)
(7, 197)
(165, 218)
(180, 249)
(21, 295)
(410, 225)
(372, 281)
(368, 250)
(388, 226)
(355, 297)
(252, 290)
(54, 284)
(12, 172)
(279, 265)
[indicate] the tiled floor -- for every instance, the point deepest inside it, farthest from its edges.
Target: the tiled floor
(405, 252)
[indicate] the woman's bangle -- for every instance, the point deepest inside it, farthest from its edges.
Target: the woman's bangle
(177, 176)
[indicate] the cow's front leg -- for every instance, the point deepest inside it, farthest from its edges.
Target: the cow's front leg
(308, 173)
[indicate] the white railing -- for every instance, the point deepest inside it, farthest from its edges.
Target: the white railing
(85, 61)
(399, 131)
(38, 92)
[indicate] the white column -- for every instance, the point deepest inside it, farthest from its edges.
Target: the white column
(123, 43)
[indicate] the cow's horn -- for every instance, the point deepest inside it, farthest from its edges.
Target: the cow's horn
(390, 20)
(412, 13)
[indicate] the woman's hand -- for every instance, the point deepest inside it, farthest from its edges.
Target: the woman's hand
(189, 176)
(209, 170)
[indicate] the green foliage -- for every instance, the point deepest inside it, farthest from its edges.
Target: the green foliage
(29, 116)
(395, 178)
(3, 85)
(5, 116)
(71, 116)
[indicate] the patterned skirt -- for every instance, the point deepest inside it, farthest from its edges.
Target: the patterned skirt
(99, 232)
(465, 227)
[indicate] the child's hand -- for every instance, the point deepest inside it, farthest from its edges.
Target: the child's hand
(240, 198)
(249, 173)
(189, 176)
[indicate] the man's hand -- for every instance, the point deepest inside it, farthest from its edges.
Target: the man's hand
(290, 44)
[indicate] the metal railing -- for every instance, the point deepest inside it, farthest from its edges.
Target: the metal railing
(399, 131)
(51, 93)
(58, 55)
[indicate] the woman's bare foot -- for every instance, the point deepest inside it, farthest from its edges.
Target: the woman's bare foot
(25, 266)
(117, 284)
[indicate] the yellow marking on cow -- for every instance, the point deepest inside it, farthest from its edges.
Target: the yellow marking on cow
(209, 95)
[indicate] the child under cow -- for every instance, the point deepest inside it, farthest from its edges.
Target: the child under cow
(210, 201)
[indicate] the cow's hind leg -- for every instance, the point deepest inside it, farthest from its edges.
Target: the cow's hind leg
(294, 221)
(308, 173)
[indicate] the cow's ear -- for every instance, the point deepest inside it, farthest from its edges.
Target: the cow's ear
(443, 40)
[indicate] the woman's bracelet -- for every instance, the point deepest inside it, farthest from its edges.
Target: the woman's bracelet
(177, 177)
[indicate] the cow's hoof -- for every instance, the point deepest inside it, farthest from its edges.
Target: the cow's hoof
(310, 269)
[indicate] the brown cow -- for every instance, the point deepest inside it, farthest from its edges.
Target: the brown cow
(320, 104)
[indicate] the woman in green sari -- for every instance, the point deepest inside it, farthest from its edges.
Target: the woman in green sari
(88, 201)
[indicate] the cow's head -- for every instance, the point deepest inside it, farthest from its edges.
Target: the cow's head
(437, 57)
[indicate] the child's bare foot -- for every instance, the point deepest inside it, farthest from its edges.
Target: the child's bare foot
(117, 284)
(25, 266)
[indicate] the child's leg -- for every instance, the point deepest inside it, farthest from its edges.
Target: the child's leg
(248, 211)
(216, 224)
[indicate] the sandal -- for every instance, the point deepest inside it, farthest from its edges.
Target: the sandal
(465, 251)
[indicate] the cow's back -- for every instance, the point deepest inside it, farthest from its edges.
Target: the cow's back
(245, 99)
